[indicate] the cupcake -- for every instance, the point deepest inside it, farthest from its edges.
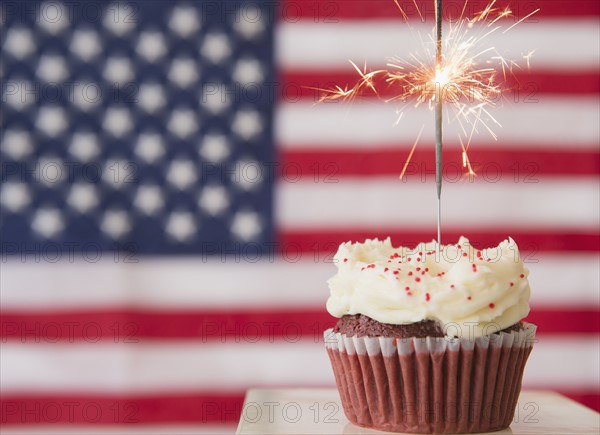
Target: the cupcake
(430, 339)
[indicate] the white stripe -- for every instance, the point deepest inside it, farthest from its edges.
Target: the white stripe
(154, 367)
(488, 202)
(559, 44)
(233, 282)
(552, 122)
(555, 363)
(564, 279)
(118, 429)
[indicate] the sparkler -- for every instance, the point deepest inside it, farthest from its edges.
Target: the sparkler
(465, 78)
(438, 115)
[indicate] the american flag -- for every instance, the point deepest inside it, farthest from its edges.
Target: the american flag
(172, 196)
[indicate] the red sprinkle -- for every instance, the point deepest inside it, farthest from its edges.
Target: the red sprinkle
(409, 293)
(426, 269)
(417, 279)
(396, 272)
(491, 305)
(409, 273)
(407, 288)
(451, 285)
(469, 298)
(522, 276)
(427, 297)
(511, 283)
(458, 246)
(386, 269)
(345, 259)
(418, 268)
(464, 254)
(423, 273)
(409, 259)
(420, 253)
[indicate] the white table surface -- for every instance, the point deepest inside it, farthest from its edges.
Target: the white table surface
(318, 411)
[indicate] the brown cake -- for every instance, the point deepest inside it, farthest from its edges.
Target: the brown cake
(363, 326)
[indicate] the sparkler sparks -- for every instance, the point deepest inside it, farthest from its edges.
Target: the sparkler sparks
(468, 79)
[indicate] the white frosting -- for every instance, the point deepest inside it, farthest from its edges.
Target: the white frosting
(470, 292)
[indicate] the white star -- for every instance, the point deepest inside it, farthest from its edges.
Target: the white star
(247, 124)
(19, 94)
(182, 173)
(150, 147)
(115, 224)
(83, 197)
(84, 146)
(216, 47)
(19, 42)
(249, 22)
(248, 71)
(120, 17)
(51, 120)
(183, 72)
(183, 123)
(118, 70)
(87, 95)
(181, 225)
(14, 196)
(246, 225)
(248, 174)
(118, 173)
(151, 97)
(50, 171)
(53, 17)
(117, 121)
(52, 68)
(85, 43)
(215, 148)
(151, 45)
(48, 222)
(184, 21)
(214, 200)
(215, 98)
(17, 144)
(149, 199)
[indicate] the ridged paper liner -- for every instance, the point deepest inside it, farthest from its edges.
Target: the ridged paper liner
(430, 385)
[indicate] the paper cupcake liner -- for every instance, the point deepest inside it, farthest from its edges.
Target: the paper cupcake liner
(430, 385)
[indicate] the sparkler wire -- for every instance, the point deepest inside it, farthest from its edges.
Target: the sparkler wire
(438, 116)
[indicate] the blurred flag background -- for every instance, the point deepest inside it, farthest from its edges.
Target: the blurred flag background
(172, 196)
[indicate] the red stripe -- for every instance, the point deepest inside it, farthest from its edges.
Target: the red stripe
(225, 326)
(192, 408)
(325, 243)
(53, 409)
(523, 86)
(330, 11)
(591, 399)
(557, 321)
(519, 164)
(132, 326)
